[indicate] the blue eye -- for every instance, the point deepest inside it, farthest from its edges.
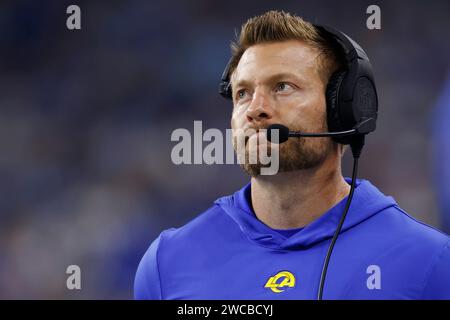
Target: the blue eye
(282, 86)
(241, 94)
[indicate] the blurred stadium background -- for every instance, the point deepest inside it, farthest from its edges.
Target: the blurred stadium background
(86, 118)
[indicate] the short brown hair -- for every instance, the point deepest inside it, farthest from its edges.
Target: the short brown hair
(277, 26)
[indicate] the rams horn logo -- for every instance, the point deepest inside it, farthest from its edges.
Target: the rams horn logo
(288, 280)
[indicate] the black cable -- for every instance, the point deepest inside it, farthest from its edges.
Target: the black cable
(339, 227)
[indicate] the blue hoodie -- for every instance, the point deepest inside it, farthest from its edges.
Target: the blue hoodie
(227, 253)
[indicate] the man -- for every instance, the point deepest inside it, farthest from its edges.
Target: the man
(269, 239)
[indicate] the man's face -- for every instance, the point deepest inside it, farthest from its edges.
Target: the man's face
(280, 83)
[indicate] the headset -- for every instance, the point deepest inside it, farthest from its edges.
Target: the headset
(352, 109)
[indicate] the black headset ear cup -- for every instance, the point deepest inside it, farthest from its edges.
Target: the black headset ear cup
(332, 98)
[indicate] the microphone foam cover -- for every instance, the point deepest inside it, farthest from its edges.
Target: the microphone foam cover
(283, 132)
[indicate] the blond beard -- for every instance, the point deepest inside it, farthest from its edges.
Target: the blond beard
(297, 153)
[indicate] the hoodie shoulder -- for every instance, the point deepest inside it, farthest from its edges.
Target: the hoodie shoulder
(430, 251)
(421, 230)
(149, 278)
(147, 285)
(437, 283)
(395, 222)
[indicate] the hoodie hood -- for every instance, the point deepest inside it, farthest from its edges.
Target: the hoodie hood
(367, 201)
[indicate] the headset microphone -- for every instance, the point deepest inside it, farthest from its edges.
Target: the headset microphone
(284, 133)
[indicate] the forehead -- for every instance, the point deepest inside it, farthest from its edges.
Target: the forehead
(292, 56)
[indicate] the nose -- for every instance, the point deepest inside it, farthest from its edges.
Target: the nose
(259, 108)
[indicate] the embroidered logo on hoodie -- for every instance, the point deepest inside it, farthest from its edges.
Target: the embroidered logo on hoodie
(274, 283)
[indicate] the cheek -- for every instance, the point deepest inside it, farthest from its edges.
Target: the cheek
(233, 122)
(321, 108)
(309, 112)
(321, 102)
(237, 119)
(317, 102)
